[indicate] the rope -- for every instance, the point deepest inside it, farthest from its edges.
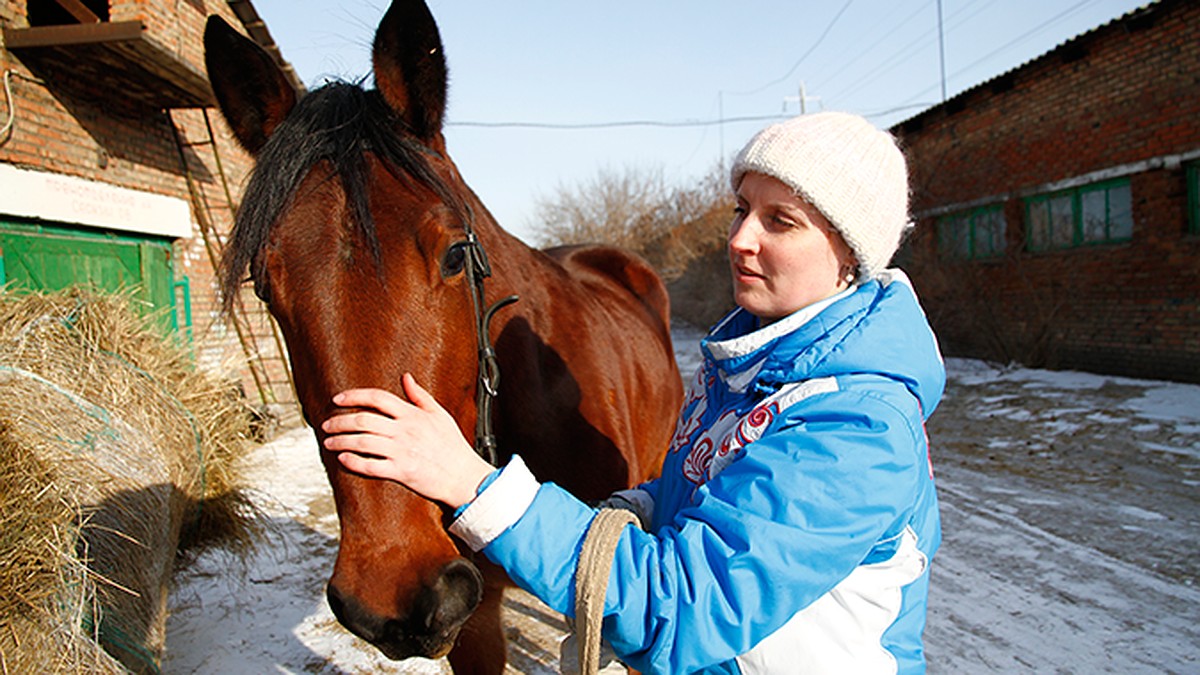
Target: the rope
(591, 582)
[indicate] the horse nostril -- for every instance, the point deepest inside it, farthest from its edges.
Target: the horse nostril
(453, 596)
(430, 625)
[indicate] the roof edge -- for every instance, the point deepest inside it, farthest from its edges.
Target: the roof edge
(256, 28)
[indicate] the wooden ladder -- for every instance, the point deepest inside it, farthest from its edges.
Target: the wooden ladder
(257, 331)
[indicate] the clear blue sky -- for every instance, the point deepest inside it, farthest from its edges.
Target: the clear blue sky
(680, 66)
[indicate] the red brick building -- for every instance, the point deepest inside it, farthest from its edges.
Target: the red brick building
(1058, 205)
(114, 167)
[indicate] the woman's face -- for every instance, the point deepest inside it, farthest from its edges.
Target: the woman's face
(783, 254)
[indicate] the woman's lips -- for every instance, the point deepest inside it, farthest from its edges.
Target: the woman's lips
(746, 274)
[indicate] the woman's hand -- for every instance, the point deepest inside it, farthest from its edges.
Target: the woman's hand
(416, 444)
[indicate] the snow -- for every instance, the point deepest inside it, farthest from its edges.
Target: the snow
(1071, 529)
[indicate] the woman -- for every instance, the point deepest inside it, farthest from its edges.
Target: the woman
(793, 525)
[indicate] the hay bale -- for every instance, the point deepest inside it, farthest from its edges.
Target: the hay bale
(45, 590)
(118, 456)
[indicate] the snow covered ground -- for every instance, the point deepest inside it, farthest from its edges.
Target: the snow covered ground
(1072, 537)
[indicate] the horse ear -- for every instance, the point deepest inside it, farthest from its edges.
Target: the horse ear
(251, 90)
(410, 69)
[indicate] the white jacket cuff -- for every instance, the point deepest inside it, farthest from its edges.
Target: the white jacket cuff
(498, 507)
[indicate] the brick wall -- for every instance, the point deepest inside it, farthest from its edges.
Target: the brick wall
(1122, 100)
(77, 127)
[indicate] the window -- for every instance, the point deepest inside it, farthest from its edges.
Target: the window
(1193, 192)
(970, 235)
(1093, 214)
(54, 13)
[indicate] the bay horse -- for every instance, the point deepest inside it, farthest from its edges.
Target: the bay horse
(369, 250)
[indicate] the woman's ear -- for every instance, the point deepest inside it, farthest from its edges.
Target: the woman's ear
(848, 269)
(850, 273)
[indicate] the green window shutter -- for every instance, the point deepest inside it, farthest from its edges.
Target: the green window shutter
(50, 258)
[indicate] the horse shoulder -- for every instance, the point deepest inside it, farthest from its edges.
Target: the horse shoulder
(612, 266)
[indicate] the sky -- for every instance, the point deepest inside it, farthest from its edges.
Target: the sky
(546, 95)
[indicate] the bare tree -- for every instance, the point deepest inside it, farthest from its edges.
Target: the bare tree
(622, 208)
(681, 231)
(697, 224)
(637, 209)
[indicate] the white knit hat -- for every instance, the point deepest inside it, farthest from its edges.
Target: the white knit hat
(851, 171)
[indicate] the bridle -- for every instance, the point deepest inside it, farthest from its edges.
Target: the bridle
(487, 386)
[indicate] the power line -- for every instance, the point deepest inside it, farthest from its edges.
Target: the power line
(674, 124)
(893, 28)
(1012, 43)
(806, 54)
(900, 57)
(698, 123)
(616, 124)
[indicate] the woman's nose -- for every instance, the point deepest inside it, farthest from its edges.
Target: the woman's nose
(742, 233)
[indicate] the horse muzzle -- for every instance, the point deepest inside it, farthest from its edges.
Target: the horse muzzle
(431, 625)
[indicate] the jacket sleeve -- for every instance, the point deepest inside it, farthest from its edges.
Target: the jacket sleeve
(784, 523)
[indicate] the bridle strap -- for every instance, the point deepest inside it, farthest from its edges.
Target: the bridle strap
(487, 387)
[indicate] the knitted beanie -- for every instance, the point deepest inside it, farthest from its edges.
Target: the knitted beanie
(852, 172)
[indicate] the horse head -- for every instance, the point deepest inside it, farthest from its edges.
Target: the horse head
(352, 227)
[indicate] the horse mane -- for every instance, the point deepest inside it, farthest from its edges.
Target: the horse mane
(339, 123)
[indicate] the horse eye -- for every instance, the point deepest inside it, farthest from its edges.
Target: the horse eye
(454, 259)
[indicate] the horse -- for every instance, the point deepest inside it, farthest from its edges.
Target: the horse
(370, 252)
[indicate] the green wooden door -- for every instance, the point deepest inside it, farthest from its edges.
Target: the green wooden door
(45, 257)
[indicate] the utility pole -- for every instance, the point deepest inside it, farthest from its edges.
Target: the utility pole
(721, 126)
(803, 99)
(942, 48)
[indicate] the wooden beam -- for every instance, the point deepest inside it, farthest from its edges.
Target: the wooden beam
(116, 56)
(75, 34)
(78, 10)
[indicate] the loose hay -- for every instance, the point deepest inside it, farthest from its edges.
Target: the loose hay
(117, 456)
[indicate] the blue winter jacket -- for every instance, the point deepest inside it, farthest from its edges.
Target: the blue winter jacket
(795, 518)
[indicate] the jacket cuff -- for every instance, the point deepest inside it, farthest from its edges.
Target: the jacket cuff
(498, 507)
(635, 500)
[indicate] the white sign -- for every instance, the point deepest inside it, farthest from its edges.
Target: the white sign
(67, 199)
